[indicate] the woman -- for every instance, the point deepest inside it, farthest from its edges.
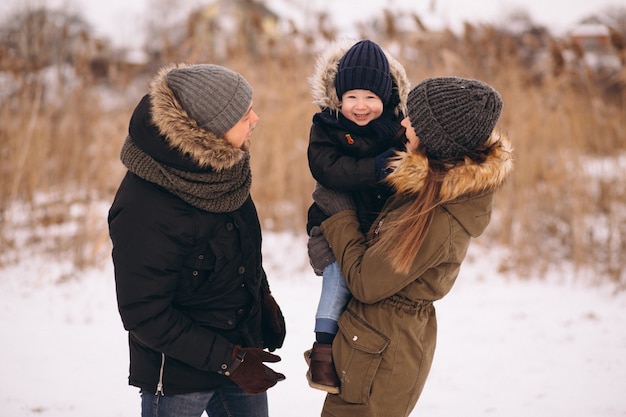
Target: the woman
(443, 192)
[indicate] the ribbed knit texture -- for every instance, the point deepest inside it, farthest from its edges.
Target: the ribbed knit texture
(214, 96)
(217, 192)
(453, 116)
(364, 67)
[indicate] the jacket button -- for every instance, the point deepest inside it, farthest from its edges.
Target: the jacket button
(241, 270)
(195, 273)
(229, 226)
(200, 256)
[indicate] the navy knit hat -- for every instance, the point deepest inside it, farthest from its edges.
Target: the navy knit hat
(453, 116)
(214, 96)
(364, 67)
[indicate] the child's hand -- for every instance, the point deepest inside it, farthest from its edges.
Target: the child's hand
(382, 160)
(320, 254)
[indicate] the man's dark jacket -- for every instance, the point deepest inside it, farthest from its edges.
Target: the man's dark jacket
(189, 281)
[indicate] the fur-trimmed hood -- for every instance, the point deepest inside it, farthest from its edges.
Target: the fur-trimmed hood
(409, 171)
(182, 133)
(322, 81)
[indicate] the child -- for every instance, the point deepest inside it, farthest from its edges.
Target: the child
(362, 95)
(444, 187)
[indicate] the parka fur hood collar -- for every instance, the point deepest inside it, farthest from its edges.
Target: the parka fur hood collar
(182, 133)
(322, 80)
(467, 178)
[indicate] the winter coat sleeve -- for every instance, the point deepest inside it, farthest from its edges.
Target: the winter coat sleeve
(370, 276)
(148, 254)
(334, 168)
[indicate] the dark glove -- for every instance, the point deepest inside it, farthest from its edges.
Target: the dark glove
(273, 322)
(249, 373)
(320, 253)
(381, 161)
(315, 217)
(330, 201)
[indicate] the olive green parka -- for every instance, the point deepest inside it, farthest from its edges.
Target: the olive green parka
(386, 341)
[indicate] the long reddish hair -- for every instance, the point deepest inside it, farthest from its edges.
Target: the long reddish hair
(400, 240)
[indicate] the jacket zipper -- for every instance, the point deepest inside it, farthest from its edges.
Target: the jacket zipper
(378, 226)
(160, 383)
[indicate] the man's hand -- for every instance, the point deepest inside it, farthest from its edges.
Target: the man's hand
(248, 371)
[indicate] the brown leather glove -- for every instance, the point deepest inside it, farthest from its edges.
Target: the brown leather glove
(273, 322)
(248, 371)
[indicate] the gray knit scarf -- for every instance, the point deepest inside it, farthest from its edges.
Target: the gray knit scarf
(217, 192)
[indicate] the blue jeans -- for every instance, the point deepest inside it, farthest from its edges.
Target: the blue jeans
(225, 401)
(333, 299)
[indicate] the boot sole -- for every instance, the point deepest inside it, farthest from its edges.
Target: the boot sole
(326, 388)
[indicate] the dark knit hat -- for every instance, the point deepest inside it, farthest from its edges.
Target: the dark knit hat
(364, 67)
(214, 96)
(453, 116)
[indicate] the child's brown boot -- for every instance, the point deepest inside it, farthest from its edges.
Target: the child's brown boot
(321, 374)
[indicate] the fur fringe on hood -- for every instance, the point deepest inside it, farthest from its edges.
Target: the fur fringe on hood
(410, 170)
(183, 133)
(322, 81)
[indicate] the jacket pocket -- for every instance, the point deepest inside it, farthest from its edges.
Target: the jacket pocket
(357, 353)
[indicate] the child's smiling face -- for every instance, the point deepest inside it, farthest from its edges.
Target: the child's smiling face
(361, 106)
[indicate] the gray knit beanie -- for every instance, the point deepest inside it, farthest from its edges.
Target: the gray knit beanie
(453, 116)
(214, 96)
(364, 67)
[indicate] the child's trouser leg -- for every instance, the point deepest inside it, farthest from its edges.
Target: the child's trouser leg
(333, 300)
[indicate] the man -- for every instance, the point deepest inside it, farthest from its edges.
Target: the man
(191, 289)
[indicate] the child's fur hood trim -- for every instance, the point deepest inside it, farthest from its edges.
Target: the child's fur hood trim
(322, 81)
(183, 133)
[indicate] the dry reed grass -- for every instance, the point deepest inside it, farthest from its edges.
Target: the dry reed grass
(64, 146)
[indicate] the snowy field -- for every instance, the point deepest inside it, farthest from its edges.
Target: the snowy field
(506, 347)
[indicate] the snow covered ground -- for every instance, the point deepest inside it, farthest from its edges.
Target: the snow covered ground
(506, 347)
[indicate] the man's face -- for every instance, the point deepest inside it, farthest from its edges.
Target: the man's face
(239, 135)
